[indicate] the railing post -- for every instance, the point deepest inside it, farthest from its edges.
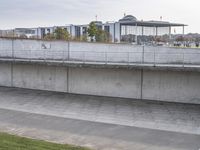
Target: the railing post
(154, 58)
(106, 58)
(44, 55)
(83, 57)
(13, 57)
(143, 54)
(128, 58)
(30, 56)
(68, 51)
(63, 56)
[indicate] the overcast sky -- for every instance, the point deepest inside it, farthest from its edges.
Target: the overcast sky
(35, 13)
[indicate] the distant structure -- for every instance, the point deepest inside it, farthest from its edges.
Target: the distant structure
(128, 28)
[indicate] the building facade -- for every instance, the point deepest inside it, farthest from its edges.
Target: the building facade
(127, 29)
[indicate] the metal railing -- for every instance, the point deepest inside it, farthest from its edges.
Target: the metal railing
(99, 54)
(127, 58)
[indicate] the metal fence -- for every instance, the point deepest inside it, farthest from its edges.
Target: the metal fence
(105, 57)
(67, 53)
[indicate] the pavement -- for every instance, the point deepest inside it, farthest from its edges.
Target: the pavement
(101, 123)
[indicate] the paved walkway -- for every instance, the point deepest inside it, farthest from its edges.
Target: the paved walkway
(98, 136)
(100, 123)
(176, 117)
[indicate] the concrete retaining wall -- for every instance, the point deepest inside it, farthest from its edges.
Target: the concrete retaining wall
(40, 77)
(137, 84)
(5, 74)
(105, 82)
(172, 86)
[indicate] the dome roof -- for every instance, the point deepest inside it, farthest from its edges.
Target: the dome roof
(128, 18)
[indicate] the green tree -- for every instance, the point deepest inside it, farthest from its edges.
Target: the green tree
(59, 34)
(49, 36)
(98, 34)
(102, 36)
(180, 39)
(92, 30)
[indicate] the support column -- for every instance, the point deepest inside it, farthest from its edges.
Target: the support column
(120, 33)
(156, 31)
(136, 40)
(183, 30)
(117, 34)
(170, 32)
(142, 35)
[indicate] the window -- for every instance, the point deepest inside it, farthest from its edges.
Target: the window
(77, 31)
(107, 29)
(84, 30)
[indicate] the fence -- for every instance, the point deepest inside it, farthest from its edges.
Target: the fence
(31, 50)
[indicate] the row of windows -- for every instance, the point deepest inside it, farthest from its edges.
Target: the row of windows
(77, 30)
(84, 30)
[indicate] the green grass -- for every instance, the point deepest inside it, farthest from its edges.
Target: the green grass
(12, 142)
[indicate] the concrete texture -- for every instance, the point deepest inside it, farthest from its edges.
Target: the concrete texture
(40, 77)
(98, 136)
(174, 86)
(105, 82)
(171, 86)
(6, 46)
(60, 50)
(40, 49)
(184, 118)
(5, 74)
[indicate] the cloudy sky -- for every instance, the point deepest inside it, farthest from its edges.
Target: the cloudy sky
(35, 13)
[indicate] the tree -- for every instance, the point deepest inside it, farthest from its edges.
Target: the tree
(103, 36)
(180, 39)
(23, 36)
(92, 30)
(197, 41)
(59, 34)
(50, 36)
(98, 34)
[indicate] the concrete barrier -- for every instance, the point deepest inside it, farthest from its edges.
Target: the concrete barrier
(168, 86)
(62, 50)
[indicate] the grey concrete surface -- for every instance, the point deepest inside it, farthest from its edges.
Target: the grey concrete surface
(163, 85)
(184, 118)
(5, 74)
(37, 49)
(169, 85)
(105, 82)
(40, 77)
(110, 65)
(98, 136)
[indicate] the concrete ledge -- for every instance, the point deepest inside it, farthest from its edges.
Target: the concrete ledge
(111, 65)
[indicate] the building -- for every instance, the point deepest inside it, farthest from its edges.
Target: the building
(127, 29)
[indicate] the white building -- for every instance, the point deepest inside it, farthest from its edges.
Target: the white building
(120, 30)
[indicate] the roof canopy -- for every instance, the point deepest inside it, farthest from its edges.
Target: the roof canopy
(132, 21)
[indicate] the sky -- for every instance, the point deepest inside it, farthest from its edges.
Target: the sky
(38, 13)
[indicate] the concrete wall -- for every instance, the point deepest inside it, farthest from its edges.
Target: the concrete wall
(6, 47)
(60, 50)
(137, 84)
(172, 86)
(105, 82)
(5, 74)
(40, 77)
